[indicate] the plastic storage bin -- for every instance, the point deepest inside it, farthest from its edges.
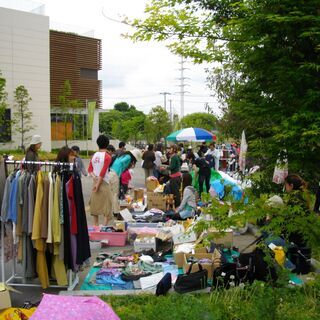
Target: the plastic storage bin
(115, 239)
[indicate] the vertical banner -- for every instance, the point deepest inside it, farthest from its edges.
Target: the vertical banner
(91, 109)
(243, 151)
(281, 168)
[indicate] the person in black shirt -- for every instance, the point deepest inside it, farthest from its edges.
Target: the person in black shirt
(204, 172)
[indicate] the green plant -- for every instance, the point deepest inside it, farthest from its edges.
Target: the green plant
(22, 117)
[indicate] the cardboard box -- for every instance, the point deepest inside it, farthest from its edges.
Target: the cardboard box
(156, 200)
(151, 185)
(5, 301)
(138, 194)
(213, 257)
(179, 256)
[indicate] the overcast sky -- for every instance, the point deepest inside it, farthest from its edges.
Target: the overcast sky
(131, 72)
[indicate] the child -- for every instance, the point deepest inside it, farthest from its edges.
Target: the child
(100, 200)
(125, 180)
(79, 163)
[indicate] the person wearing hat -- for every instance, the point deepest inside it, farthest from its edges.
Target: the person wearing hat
(120, 164)
(32, 152)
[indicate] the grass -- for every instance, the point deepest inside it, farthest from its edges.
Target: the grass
(258, 301)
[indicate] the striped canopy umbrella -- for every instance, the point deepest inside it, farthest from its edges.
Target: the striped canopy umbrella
(191, 134)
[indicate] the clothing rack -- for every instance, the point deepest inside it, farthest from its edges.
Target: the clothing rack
(73, 278)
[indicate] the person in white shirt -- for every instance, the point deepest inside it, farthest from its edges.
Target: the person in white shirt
(157, 162)
(215, 153)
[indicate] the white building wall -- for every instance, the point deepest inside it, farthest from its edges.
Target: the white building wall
(24, 60)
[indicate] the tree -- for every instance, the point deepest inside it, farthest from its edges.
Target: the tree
(199, 120)
(157, 124)
(122, 106)
(122, 122)
(268, 79)
(66, 105)
(22, 117)
(4, 123)
(106, 120)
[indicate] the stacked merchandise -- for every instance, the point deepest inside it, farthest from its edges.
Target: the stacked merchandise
(44, 215)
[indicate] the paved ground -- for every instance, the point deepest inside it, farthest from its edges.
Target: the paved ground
(34, 294)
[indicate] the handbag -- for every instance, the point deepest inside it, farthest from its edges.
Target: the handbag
(191, 281)
(164, 285)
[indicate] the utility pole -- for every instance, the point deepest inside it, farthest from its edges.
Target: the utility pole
(171, 115)
(165, 99)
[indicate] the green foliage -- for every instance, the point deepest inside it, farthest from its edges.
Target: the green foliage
(268, 78)
(257, 301)
(22, 117)
(157, 124)
(199, 120)
(124, 122)
(66, 105)
(3, 105)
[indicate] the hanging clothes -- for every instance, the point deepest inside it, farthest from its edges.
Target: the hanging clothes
(72, 221)
(45, 223)
(65, 176)
(39, 243)
(58, 267)
(82, 234)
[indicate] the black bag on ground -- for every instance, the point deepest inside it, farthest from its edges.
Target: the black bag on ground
(247, 268)
(191, 281)
(164, 285)
(301, 258)
(260, 269)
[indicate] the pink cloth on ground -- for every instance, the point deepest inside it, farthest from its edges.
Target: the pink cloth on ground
(54, 307)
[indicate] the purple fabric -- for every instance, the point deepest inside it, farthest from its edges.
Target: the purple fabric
(73, 237)
(54, 307)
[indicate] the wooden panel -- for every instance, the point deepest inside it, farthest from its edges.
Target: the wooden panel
(68, 54)
(57, 131)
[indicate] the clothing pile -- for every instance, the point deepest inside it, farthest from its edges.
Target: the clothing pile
(152, 215)
(121, 271)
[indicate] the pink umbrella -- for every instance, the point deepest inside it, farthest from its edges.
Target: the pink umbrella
(54, 307)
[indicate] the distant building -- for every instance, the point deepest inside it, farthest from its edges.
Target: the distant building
(42, 60)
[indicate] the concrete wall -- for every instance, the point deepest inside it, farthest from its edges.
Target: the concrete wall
(24, 60)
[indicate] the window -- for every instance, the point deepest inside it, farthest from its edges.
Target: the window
(72, 125)
(5, 126)
(89, 73)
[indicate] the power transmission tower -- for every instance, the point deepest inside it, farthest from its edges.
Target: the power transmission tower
(182, 86)
(165, 99)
